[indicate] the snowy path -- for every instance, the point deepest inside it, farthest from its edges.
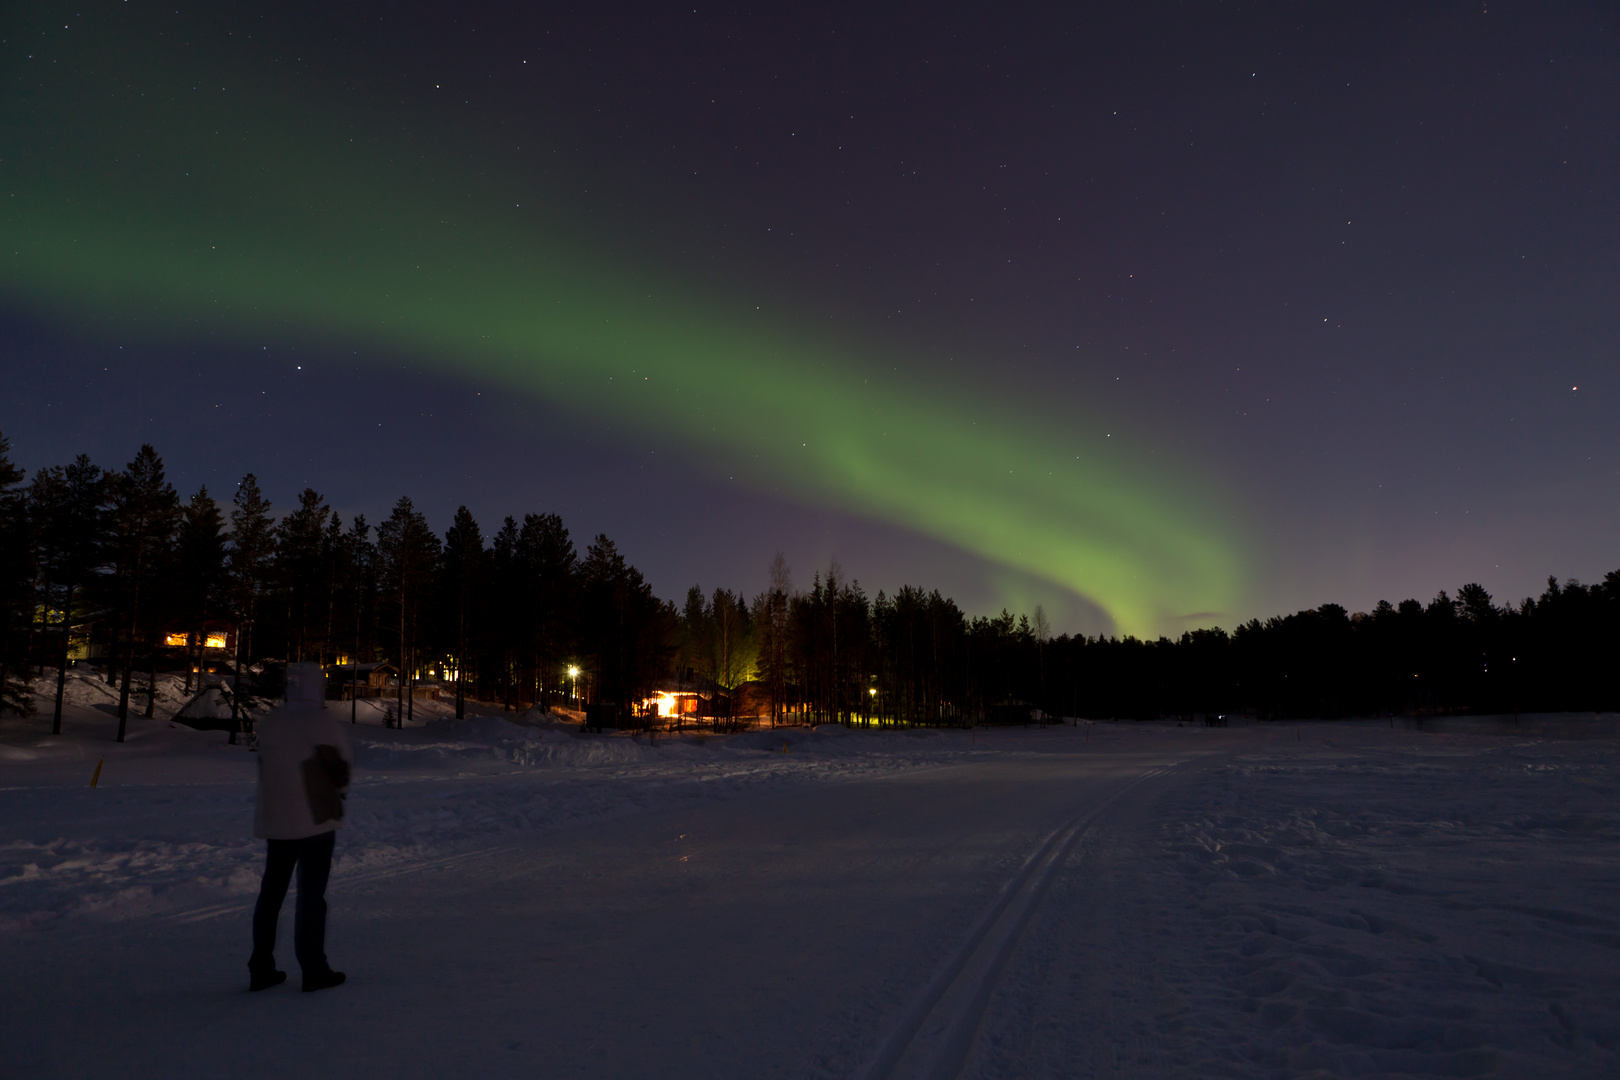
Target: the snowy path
(937, 1031)
(1152, 902)
(768, 930)
(1357, 903)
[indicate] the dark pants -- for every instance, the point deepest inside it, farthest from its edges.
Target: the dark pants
(313, 857)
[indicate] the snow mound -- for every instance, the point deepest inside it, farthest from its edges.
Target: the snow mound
(210, 704)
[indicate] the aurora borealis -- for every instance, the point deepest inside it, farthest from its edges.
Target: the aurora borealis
(1193, 316)
(174, 211)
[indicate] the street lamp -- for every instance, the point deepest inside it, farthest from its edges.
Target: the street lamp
(573, 673)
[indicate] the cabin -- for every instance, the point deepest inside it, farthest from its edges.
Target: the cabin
(672, 703)
(345, 681)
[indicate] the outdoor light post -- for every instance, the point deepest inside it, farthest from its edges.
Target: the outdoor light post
(573, 673)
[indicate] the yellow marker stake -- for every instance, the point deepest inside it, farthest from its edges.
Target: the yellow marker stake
(95, 777)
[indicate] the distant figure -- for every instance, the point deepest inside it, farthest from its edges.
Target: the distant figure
(304, 765)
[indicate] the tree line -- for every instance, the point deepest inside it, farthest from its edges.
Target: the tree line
(117, 562)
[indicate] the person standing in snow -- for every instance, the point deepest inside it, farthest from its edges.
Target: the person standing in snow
(304, 766)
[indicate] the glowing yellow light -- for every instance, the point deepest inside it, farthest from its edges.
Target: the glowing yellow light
(182, 640)
(573, 672)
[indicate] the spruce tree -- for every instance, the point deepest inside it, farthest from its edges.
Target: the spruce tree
(145, 511)
(199, 572)
(15, 594)
(42, 502)
(627, 633)
(409, 552)
(463, 563)
(547, 562)
(355, 596)
(506, 601)
(252, 549)
(301, 572)
(76, 540)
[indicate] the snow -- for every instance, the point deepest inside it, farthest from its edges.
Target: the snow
(1344, 901)
(514, 898)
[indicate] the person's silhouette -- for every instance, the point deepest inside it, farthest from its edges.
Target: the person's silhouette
(304, 765)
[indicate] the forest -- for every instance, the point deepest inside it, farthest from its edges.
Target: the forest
(113, 567)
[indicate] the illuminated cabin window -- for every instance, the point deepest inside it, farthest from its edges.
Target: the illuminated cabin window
(180, 641)
(667, 703)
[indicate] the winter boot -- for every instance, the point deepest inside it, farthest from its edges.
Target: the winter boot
(265, 978)
(323, 981)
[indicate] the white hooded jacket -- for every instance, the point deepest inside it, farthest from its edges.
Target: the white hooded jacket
(288, 738)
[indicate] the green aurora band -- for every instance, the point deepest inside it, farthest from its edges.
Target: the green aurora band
(142, 204)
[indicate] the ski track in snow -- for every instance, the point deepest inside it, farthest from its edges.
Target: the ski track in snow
(1338, 900)
(1360, 904)
(939, 1027)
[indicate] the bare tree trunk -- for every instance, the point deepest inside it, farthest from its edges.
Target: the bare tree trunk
(461, 663)
(354, 674)
(543, 697)
(202, 648)
(61, 672)
(404, 662)
(129, 663)
(327, 651)
(236, 687)
(242, 631)
(44, 626)
(5, 650)
(151, 680)
(123, 700)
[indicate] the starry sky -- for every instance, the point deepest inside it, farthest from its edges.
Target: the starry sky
(1159, 318)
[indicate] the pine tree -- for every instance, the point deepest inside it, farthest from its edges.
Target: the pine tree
(42, 502)
(334, 562)
(301, 576)
(628, 634)
(355, 592)
(252, 549)
(409, 553)
(732, 644)
(74, 538)
(547, 562)
(771, 619)
(463, 565)
(145, 511)
(695, 654)
(199, 572)
(506, 602)
(15, 593)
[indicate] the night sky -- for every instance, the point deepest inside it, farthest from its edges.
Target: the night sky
(1160, 317)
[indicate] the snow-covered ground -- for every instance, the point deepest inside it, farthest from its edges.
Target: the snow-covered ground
(1346, 900)
(512, 899)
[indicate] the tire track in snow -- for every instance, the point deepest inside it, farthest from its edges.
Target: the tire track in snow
(936, 1031)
